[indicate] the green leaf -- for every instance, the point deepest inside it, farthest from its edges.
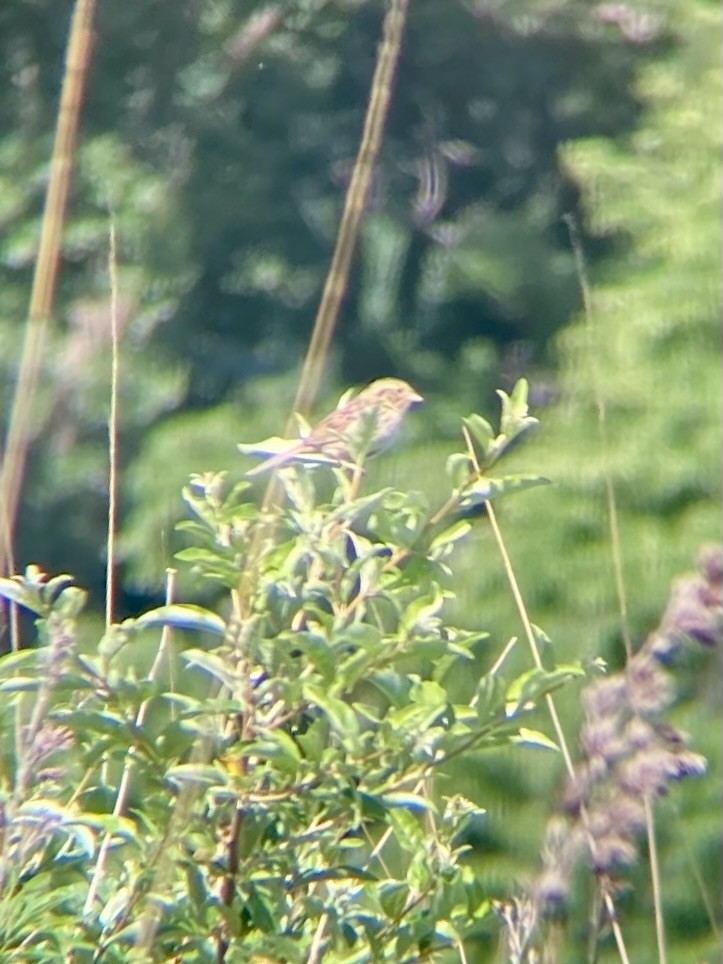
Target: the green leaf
(116, 906)
(363, 635)
(393, 896)
(416, 716)
(408, 831)
(21, 660)
(518, 398)
(545, 648)
(505, 444)
(490, 697)
(21, 684)
(279, 746)
(314, 739)
(186, 774)
(342, 718)
(216, 667)
(487, 488)
(514, 408)
(408, 801)
(534, 738)
(372, 806)
(459, 468)
(345, 872)
(179, 616)
(122, 828)
(14, 591)
(262, 910)
(525, 691)
(448, 537)
(428, 693)
(99, 722)
(71, 600)
(418, 873)
(359, 510)
(422, 609)
(392, 685)
(481, 432)
(317, 650)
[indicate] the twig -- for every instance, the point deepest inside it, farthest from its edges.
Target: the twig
(317, 945)
(242, 46)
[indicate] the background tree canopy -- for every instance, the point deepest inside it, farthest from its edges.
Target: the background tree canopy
(220, 136)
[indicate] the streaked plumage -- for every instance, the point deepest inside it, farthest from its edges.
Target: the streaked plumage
(377, 410)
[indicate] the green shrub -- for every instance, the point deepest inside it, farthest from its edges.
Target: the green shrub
(297, 807)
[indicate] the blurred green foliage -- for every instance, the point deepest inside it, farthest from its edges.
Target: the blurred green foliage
(223, 153)
(649, 353)
(221, 138)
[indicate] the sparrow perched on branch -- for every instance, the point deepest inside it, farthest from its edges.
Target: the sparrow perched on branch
(362, 426)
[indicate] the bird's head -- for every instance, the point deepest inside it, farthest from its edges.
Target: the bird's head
(393, 393)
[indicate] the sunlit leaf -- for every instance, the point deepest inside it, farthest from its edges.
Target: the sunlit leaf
(486, 488)
(534, 738)
(178, 616)
(218, 668)
(186, 774)
(14, 591)
(341, 716)
(481, 432)
(408, 801)
(459, 469)
(448, 537)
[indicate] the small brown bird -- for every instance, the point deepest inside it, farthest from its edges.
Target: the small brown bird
(368, 422)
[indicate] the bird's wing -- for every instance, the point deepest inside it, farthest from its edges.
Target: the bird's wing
(274, 461)
(297, 453)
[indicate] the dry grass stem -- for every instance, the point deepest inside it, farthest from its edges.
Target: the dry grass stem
(46, 272)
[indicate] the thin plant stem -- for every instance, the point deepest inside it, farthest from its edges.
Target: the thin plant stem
(655, 880)
(494, 670)
(316, 950)
(354, 205)
(112, 429)
(46, 272)
(460, 949)
(551, 709)
(530, 636)
(497, 666)
(338, 275)
(615, 542)
(14, 621)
